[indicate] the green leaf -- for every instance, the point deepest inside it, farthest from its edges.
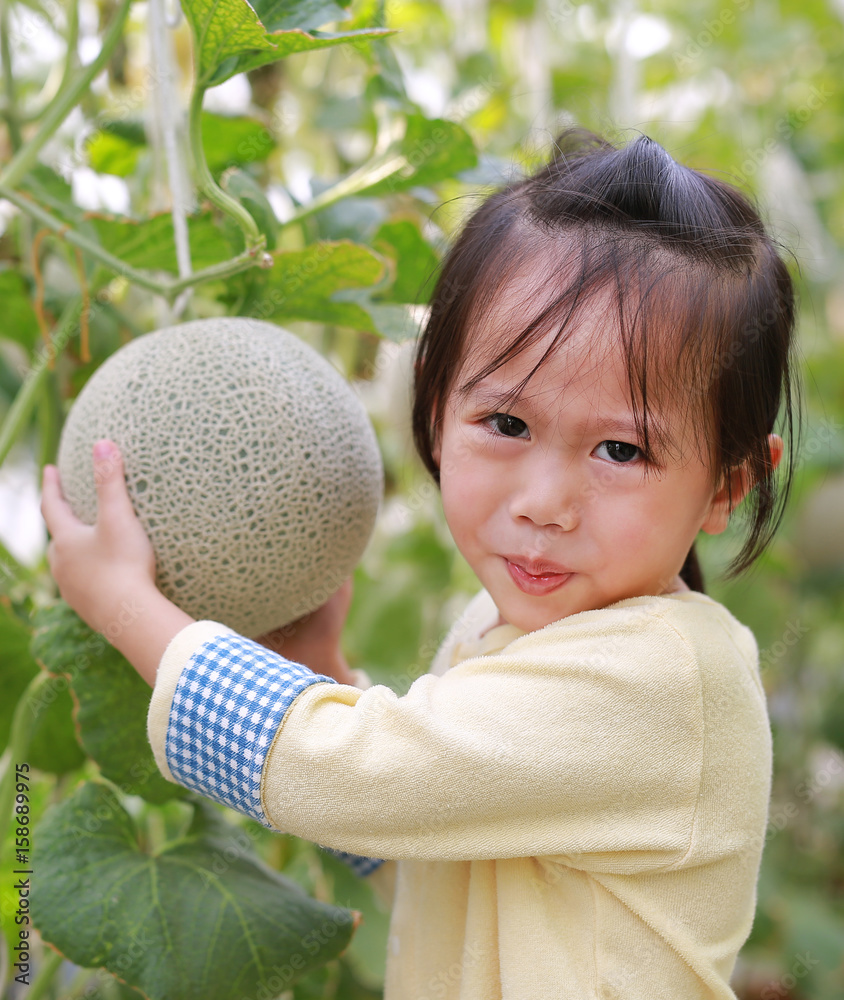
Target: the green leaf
(112, 154)
(282, 15)
(234, 140)
(832, 726)
(223, 29)
(433, 149)
(202, 919)
(415, 261)
(112, 700)
(19, 322)
(126, 126)
(288, 43)
(17, 666)
(368, 950)
(54, 747)
(150, 243)
(388, 319)
(249, 193)
(52, 191)
(230, 37)
(302, 283)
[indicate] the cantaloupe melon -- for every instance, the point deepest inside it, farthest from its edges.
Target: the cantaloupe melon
(250, 462)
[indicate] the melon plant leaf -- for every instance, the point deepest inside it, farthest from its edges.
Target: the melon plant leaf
(53, 746)
(415, 261)
(111, 700)
(288, 43)
(52, 191)
(194, 920)
(230, 36)
(17, 667)
(223, 29)
(433, 149)
(112, 154)
(282, 15)
(19, 322)
(150, 244)
(302, 282)
(234, 140)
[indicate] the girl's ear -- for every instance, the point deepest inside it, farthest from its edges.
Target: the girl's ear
(436, 436)
(732, 491)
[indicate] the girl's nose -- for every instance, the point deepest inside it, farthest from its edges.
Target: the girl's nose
(550, 499)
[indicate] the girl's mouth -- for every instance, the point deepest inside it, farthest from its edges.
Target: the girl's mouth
(535, 584)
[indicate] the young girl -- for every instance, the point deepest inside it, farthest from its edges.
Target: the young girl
(573, 802)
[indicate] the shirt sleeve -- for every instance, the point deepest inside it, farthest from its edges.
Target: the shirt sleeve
(580, 739)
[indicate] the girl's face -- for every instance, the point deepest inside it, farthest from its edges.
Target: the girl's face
(550, 500)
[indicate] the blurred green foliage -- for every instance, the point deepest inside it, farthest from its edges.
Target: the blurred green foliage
(751, 91)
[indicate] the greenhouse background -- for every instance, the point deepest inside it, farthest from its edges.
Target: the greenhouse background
(749, 91)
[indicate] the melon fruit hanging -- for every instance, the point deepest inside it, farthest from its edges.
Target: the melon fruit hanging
(250, 462)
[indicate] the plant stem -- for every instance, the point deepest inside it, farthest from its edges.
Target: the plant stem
(361, 179)
(44, 980)
(10, 112)
(72, 41)
(67, 97)
(169, 289)
(243, 261)
(205, 183)
(20, 410)
(34, 210)
(49, 420)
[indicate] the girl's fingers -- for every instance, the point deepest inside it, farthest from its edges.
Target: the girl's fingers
(113, 503)
(55, 510)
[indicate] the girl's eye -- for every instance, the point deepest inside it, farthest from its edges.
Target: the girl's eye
(508, 425)
(618, 451)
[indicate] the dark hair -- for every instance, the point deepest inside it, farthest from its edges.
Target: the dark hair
(691, 271)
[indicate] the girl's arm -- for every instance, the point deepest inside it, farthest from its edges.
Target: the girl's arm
(106, 573)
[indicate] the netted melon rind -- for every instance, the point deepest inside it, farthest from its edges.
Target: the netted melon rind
(250, 462)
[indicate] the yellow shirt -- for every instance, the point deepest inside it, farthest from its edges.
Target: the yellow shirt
(579, 814)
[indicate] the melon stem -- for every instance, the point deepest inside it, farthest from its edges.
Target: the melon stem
(169, 289)
(206, 185)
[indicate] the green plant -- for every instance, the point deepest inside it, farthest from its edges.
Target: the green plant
(154, 887)
(707, 79)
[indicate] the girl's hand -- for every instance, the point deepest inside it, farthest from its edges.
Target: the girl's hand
(314, 639)
(100, 567)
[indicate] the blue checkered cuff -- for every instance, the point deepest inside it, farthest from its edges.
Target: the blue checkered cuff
(358, 864)
(229, 702)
